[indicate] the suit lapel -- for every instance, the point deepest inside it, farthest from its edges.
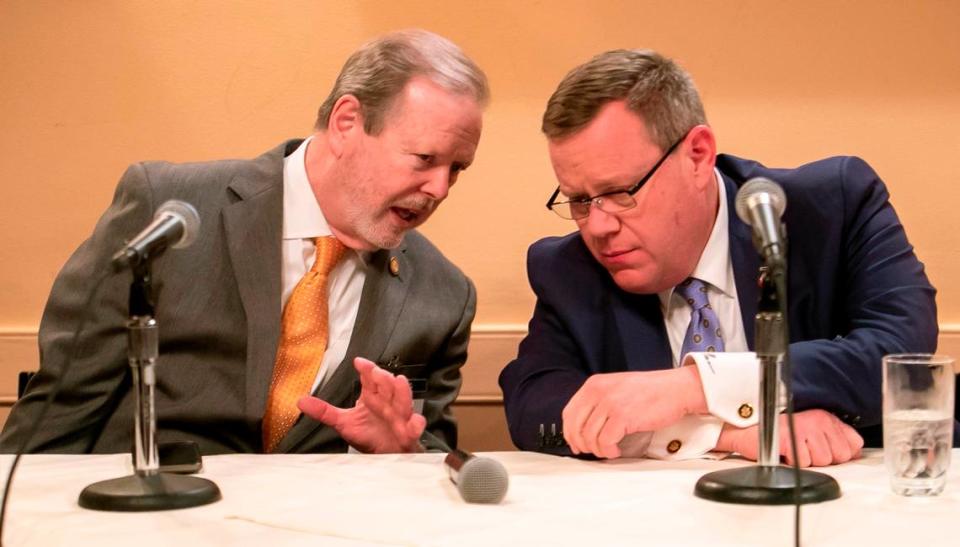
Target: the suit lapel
(746, 263)
(384, 295)
(643, 334)
(254, 228)
(382, 300)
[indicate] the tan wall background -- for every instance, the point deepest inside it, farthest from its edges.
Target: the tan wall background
(89, 87)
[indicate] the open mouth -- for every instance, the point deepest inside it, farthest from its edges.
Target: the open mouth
(408, 216)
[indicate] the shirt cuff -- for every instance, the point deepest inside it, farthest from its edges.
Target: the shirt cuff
(691, 437)
(731, 385)
(635, 445)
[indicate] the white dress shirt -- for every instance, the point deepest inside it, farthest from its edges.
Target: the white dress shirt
(302, 221)
(730, 379)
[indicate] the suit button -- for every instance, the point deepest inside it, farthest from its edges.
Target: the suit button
(673, 446)
(394, 266)
(745, 411)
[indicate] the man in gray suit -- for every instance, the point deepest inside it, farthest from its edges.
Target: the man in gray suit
(403, 119)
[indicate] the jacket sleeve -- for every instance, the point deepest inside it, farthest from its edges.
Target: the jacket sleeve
(884, 302)
(86, 296)
(548, 371)
(444, 379)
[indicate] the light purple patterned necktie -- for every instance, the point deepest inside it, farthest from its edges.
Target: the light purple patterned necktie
(703, 334)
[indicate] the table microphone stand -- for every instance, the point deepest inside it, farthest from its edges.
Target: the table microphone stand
(147, 489)
(769, 483)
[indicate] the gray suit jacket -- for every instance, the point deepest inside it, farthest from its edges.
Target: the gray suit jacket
(218, 306)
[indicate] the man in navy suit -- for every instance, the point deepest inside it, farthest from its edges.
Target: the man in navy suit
(640, 341)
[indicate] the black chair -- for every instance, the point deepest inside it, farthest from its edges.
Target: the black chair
(22, 382)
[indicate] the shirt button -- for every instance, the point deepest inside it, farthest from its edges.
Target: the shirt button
(673, 446)
(745, 411)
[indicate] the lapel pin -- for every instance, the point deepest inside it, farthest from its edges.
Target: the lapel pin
(394, 266)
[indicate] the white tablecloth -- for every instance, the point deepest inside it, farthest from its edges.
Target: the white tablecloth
(355, 499)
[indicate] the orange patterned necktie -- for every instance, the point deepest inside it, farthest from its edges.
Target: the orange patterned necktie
(304, 332)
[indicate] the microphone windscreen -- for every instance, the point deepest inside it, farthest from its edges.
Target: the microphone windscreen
(188, 215)
(482, 480)
(752, 190)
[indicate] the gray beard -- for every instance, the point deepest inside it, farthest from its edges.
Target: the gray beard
(373, 232)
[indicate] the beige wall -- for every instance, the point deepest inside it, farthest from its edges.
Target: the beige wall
(88, 87)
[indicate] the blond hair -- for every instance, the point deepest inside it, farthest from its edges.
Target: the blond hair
(377, 72)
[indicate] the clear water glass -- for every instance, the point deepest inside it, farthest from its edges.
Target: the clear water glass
(918, 392)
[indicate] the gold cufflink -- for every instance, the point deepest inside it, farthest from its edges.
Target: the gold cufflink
(394, 266)
(745, 411)
(673, 446)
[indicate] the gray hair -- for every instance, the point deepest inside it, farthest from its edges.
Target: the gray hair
(377, 72)
(653, 86)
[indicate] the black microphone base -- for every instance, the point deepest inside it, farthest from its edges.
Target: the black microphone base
(149, 493)
(766, 485)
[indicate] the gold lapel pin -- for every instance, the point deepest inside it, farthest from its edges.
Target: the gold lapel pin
(394, 266)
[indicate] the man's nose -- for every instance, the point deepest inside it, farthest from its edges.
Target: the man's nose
(437, 185)
(599, 223)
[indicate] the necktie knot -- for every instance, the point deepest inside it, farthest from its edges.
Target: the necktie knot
(329, 253)
(694, 292)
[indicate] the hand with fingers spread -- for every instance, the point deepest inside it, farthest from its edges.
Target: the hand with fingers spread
(608, 407)
(383, 419)
(822, 439)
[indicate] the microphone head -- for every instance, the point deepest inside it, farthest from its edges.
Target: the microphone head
(757, 189)
(482, 480)
(187, 215)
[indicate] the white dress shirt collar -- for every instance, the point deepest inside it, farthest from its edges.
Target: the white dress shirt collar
(302, 217)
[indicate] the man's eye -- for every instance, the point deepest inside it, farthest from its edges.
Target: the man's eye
(425, 158)
(457, 167)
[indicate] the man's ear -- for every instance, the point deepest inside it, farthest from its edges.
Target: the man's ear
(345, 123)
(702, 151)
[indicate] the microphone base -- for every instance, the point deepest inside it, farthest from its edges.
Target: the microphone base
(766, 485)
(158, 492)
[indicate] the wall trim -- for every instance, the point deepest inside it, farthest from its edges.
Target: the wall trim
(12, 332)
(496, 334)
(950, 328)
(479, 400)
(501, 328)
(478, 328)
(463, 400)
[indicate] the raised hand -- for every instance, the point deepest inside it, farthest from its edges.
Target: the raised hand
(382, 421)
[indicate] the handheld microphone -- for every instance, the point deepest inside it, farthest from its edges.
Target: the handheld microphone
(760, 203)
(176, 223)
(478, 479)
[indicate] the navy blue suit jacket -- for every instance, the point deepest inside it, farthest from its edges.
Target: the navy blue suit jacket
(856, 292)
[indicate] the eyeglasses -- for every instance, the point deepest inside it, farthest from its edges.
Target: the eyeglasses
(610, 202)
